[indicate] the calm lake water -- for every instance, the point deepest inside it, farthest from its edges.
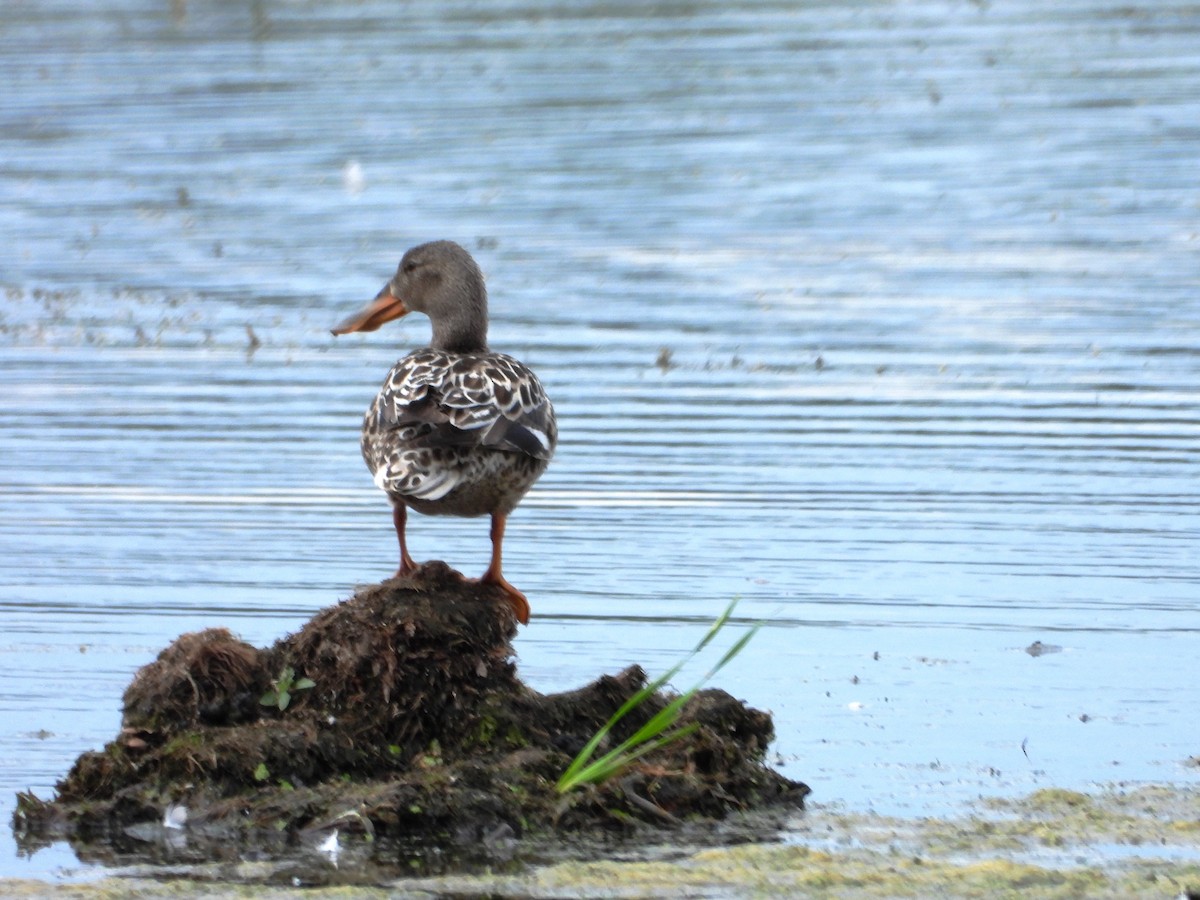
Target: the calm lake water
(881, 316)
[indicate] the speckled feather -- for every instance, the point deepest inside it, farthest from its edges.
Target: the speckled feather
(462, 434)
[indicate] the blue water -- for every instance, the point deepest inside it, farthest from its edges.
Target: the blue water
(882, 317)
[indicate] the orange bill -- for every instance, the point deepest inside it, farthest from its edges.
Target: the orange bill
(382, 309)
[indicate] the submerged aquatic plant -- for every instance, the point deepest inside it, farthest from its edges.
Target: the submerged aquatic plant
(280, 694)
(660, 730)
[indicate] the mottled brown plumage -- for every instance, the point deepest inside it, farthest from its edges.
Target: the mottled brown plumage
(456, 429)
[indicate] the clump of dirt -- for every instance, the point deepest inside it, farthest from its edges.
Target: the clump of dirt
(208, 678)
(397, 713)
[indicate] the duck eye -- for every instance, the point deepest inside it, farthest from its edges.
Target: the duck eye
(409, 267)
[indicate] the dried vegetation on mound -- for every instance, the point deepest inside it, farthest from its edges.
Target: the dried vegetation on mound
(415, 726)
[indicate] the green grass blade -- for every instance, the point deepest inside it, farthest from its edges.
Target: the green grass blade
(609, 765)
(732, 652)
(653, 733)
(646, 733)
(715, 628)
(589, 749)
(639, 697)
(669, 714)
(659, 722)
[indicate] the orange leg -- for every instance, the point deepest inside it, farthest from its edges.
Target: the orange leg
(399, 518)
(516, 599)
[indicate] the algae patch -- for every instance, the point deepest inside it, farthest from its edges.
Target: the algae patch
(999, 852)
(992, 852)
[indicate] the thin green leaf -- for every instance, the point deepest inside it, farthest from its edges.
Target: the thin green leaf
(733, 651)
(284, 699)
(639, 696)
(606, 767)
(657, 724)
(656, 731)
(635, 700)
(610, 763)
(716, 627)
(661, 720)
(669, 714)
(303, 684)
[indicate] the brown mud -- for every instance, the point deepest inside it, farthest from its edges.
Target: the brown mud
(416, 738)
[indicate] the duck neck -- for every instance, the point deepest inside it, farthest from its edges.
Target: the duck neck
(464, 331)
(457, 341)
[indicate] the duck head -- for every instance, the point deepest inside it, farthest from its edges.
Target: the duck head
(441, 280)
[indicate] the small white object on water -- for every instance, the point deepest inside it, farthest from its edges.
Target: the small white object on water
(354, 180)
(176, 816)
(330, 845)
(855, 706)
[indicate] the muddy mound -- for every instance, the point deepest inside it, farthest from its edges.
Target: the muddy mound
(398, 714)
(209, 677)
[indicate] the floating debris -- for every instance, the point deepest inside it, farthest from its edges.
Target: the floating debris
(1037, 648)
(176, 816)
(330, 846)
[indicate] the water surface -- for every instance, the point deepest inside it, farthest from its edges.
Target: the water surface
(883, 317)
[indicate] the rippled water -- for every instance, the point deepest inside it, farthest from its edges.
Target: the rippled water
(883, 317)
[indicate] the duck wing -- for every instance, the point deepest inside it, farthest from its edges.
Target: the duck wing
(433, 399)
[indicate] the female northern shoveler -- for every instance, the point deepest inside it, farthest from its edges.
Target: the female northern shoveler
(457, 429)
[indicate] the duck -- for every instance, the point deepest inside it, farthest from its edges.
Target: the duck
(457, 429)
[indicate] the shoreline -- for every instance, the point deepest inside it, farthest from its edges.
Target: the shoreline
(1118, 841)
